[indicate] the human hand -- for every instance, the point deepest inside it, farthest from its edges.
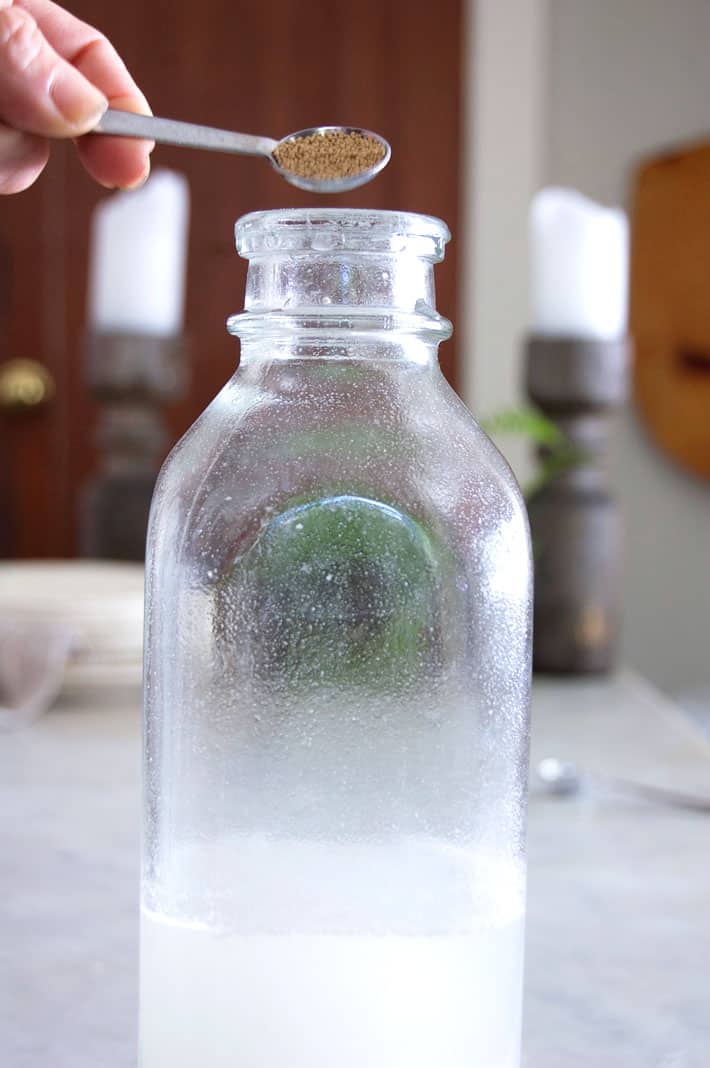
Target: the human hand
(57, 77)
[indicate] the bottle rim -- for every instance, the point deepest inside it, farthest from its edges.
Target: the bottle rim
(333, 230)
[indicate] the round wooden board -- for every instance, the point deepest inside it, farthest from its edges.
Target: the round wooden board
(670, 303)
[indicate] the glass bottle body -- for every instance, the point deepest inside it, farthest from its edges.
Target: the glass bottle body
(337, 682)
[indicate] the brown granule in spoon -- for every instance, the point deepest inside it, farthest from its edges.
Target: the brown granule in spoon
(336, 154)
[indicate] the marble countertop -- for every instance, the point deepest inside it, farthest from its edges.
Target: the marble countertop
(618, 932)
(619, 891)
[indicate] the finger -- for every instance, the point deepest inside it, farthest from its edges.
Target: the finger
(40, 92)
(117, 162)
(112, 161)
(67, 34)
(22, 159)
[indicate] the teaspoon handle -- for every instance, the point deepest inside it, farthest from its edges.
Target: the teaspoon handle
(660, 794)
(185, 134)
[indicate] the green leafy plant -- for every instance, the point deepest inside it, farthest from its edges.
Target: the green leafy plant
(556, 453)
(341, 584)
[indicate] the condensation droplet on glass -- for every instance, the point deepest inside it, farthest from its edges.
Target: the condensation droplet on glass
(299, 526)
(328, 577)
(324, 241)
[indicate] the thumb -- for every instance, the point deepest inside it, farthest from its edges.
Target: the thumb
(40, 92)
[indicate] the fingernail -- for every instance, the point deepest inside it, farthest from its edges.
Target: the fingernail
(77, 100)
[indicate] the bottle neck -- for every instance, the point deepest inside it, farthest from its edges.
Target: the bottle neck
(356, 305)
(335, 284)
(324, 281)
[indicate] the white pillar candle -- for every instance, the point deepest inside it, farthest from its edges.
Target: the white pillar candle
(579, 264)
(138, 258)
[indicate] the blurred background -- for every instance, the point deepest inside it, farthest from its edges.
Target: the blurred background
(585, 95)
(484, 102)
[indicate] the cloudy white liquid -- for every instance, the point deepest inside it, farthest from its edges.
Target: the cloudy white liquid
(403, 978)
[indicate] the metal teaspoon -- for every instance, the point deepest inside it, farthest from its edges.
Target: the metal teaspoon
(192, 135)
(564, 779)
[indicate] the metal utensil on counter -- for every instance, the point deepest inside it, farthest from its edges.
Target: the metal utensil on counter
(192, 135)
(563, 778)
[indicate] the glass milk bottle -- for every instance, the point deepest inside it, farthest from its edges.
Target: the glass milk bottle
(337, 684)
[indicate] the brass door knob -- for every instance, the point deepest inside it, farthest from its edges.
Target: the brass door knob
(24, 385)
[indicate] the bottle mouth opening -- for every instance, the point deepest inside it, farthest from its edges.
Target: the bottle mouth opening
(333, 230)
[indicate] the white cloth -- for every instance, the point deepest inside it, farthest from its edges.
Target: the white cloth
(33, 658)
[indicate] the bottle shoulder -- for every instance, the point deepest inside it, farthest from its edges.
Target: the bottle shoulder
(392, 437)
(486, 452)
